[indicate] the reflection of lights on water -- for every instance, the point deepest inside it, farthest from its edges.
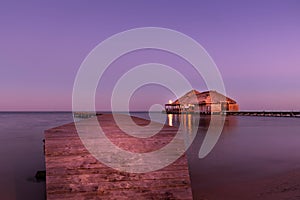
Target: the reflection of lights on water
(189, 122)
(186, 120)
(182, 120)
(170, 119)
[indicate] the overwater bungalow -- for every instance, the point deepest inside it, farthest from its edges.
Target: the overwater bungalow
(208, 102)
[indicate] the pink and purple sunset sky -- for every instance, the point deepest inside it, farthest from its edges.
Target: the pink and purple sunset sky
(255, 44)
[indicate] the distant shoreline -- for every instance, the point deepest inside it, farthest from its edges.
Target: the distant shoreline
(252, 113)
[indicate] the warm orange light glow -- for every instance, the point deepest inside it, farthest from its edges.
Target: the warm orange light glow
(170, 119)
(170, 101)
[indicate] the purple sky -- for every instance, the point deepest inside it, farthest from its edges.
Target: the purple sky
(256, 46)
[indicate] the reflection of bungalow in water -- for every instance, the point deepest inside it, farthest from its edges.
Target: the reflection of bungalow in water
(202, 102)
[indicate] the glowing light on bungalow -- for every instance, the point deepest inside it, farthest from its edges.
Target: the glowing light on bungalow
(170, 101)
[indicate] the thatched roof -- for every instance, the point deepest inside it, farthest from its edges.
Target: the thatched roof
(196, 97)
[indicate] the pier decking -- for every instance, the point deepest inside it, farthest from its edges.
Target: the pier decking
(73, 173)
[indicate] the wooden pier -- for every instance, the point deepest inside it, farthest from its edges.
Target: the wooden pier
(73, 173)
(265, 113)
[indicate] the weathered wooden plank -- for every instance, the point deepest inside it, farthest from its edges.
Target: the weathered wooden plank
(73, 173)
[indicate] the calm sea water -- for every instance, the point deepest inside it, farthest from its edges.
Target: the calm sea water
(21, 152)
(249, 148)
